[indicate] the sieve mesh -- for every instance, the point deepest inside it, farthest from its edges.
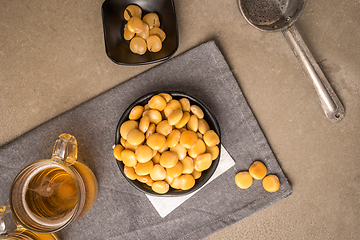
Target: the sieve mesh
(271, 14)
(264, 12)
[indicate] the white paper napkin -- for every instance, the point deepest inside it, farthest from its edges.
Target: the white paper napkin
(165, 205)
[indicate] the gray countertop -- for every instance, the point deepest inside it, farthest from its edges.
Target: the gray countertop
(52, 58)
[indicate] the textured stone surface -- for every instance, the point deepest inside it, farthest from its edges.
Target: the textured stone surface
(52, 58)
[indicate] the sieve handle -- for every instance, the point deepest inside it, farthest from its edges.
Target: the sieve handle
(329, 101)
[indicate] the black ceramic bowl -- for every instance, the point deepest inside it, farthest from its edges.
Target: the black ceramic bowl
(205, 176)
(117, 48)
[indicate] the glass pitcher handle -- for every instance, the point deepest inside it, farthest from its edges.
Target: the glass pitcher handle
(3, 231)
(65, 149)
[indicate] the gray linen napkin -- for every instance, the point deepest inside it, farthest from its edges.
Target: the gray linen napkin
(122, 212)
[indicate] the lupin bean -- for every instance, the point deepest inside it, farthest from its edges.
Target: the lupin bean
(143, 153)
(196, 110)
(157, 102)
(175, 171)
(117, 151)
(214, 151)
(152, 19)
(203, 126)
(199, 148)
(168, 159)
(187, 181)
(160, 187)
(135, 137)
(258, 170)
(158, 32)
(243, 180)
(173, 138)
(183, 121)
(145, 179)
(127, 126)
(154, 43)
(130, 172)
(172, 106)
(132, 11)
(144, 123)
(128, 158)
(271, 183)
(128, 35)
(136, 112)
(135, 25)
(175, 117)
(211, 139)
(203, 162)
(193, 123)
(158, 172)
(185, 104)
(167, 96)
(188, 139)
(154, 115)
(151, 130)
(164, 128)
(188, 165)
(180, 150)
(156, 141)
(138, 45)
(143, 169)
(144, 34)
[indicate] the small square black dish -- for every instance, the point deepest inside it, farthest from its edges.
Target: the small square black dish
(205, 176)
(117, 48)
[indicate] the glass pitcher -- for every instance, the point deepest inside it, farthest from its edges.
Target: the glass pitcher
(49, 194)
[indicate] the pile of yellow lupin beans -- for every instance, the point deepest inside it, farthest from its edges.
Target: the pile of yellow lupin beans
(257, 171)
(143, 33)
(166, 143)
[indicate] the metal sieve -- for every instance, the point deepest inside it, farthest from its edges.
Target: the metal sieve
(280, 15)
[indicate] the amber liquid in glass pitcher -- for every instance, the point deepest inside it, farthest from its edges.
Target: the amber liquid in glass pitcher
(24, 234)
